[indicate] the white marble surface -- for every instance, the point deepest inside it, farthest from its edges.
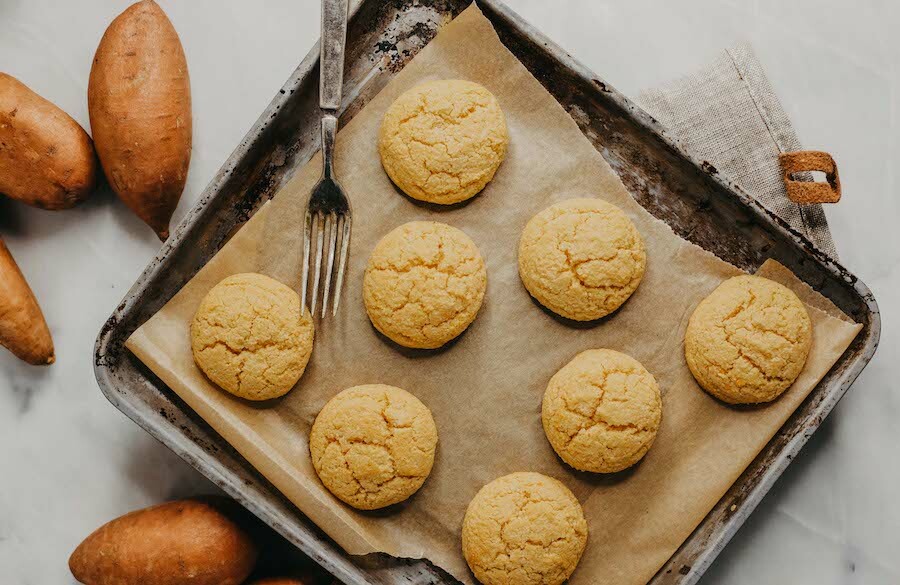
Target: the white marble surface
(69, 461)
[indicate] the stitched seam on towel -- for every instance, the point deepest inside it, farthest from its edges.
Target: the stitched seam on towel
(765, 118)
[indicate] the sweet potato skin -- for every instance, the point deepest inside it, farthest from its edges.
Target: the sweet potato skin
(46, 159)
(186, 542)
(22, 327)
(139, 100)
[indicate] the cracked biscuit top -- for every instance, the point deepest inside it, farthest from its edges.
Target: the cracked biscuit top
(373, 445)
(442, 141)
(748, 340)
(424, 284)
(581, 258)
(249, 337)
(524, 529)
(601, 411)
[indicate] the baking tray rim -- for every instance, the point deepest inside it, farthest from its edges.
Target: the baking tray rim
(211, 468)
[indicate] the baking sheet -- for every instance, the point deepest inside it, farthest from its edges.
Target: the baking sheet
(485, 389)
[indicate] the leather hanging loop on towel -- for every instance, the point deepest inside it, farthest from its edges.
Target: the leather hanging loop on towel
(810, 191)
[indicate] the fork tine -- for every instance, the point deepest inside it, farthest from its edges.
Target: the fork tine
(331, 224)
(342, 262)
(320, 242)
(307, 244)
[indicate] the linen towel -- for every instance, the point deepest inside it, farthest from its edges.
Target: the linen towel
(739, 126)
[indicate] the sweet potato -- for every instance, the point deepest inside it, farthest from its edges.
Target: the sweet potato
(22, 327)
(139, 100)
(46, 159)
(187, 542)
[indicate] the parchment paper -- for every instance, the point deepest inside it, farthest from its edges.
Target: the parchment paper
(485, 389)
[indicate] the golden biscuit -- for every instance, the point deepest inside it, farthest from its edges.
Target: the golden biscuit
(748, 340)
(601, 411)
(442, 141)
(250, 338)
(424, 284)
(581, 258)
(523, 529)
(373, 445)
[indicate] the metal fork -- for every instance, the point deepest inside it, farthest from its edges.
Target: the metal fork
(328, 208)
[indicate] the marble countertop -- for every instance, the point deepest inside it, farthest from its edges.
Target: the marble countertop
(69, 461)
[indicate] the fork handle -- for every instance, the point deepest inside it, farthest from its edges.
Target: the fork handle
(331, 53)
(329, 129)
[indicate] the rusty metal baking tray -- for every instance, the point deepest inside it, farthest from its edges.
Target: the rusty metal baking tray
(688, 194)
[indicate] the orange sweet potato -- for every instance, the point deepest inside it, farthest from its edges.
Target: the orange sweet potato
(139, 100)
(46, 159)
(22, 327)
(188, 542)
